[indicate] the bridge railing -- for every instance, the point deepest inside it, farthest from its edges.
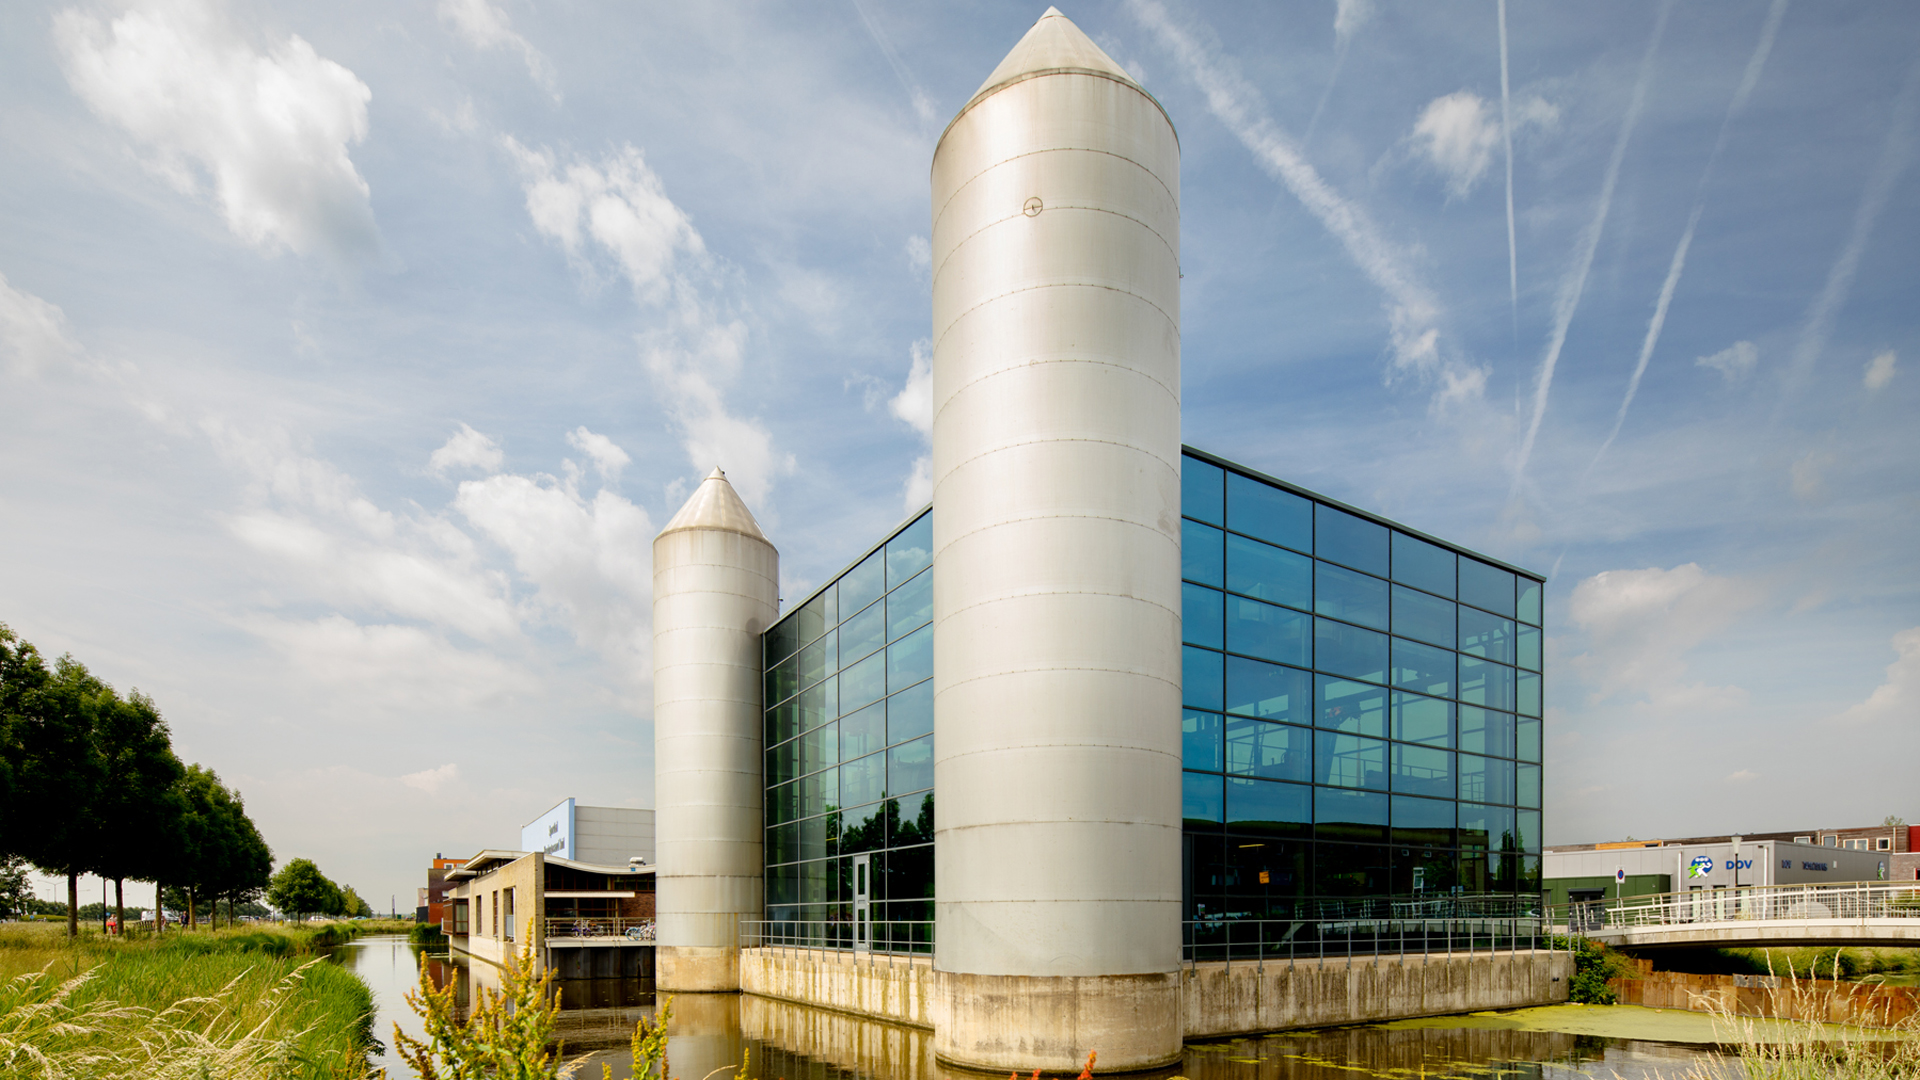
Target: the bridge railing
(1852, 900)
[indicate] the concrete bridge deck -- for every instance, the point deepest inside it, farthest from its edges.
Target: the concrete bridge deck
(1867, 913)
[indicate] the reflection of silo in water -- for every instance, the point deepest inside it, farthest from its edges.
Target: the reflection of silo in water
(704, 1035)
(791, 1036)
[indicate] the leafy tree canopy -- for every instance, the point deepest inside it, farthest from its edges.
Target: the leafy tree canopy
(301, 889)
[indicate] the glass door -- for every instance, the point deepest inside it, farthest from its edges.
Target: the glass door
(862, 891)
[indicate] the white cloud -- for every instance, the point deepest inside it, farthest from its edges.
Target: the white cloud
(268, 129)
(466, 449)
(608, 459)
(1734, 363)
(618, 203)
(1350, 16)
(33, 333)
(374, 669)
(1879, 371)
(1456, 134)
(432, 781)
(589, 559)
(919, 254)
(485, 26)
(695, 352)
(1897, 700)
(1640, 624)
(1413, 310)
(914, 404)
(1807, 475)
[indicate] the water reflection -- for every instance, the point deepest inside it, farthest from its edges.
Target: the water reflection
(709, 1032)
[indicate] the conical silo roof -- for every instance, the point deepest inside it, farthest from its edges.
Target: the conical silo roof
(715, 505)
(1054, 44)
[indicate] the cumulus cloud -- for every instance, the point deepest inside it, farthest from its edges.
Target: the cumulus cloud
(617, 207)
(1734, 363)
(33, 333)
(914, 404)
(378, 667)
(1897, 700)
(1879, 371)
(1640, 624)
(466, 449)
(1458, 133)
(485, 26)
(607, 457)
(617, 203)
(268, 129)
(919, 254)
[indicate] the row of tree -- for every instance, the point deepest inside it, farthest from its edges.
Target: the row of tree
(301, 889)
(89, 784)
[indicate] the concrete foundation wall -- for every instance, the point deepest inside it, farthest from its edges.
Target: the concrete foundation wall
(1242, 998)
(1216, 999)
(861, 984)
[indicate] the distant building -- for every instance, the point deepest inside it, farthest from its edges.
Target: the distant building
(431, 907)
(1578, 872)
(603, 835)
(581, 920)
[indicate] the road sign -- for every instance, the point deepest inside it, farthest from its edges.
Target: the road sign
(1619, 875)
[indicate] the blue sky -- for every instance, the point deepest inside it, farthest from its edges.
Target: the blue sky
(351, 354)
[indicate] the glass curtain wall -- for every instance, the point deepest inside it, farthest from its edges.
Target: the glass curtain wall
(1362, 722)
(849, 748)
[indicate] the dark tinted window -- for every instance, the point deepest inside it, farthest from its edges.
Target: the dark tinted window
(1201, 613)
(1344, 594)
(1200, 678)
(1423, 770)
(1200, 740)
(1269, 573)
(1201, 794)
(1349, 540)
(1422, 667)
(1428, 618)
(910, 713)
(1530, 601)
(1273, 515)
(1351, 815)
(1352, 707)
(910, 766)
(910, 606)
(911, 551)
(1349, 761)
(1422, 565)
(1200, 490)
(1349, 650)
(1269, 690)
(1419, 719)
(1273, 751)
(1268, 632)
(1200, 553)
(1268, 807)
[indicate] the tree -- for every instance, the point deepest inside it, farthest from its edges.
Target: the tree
(57, 771)
(139, 803)
(301, 889)
(16, 892)
(221, 854)
(351, 904)
(1894, 821)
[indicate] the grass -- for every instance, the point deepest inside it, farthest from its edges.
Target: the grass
(1811, 1050)
(245, 1002)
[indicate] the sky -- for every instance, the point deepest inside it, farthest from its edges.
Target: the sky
(352, 354)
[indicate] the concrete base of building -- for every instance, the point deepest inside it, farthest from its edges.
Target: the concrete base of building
(1022, 1022)
(1202, 1001)
(896, 989)
(1221, 999)
(688, 969)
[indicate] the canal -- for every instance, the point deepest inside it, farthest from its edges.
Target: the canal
(790, 1042)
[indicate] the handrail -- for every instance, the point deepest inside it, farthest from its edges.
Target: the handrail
(1384, 933)
(887, 937)
(1844, 900)
(565, 927)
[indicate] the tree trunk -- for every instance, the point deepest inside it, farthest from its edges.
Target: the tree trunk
(120, 906)
(193, 915)
(159, 908)
(73, 905)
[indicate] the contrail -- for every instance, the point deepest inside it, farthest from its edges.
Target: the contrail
(1506, 132)
(1894, 152)
(1413, 312)
(1576, 282)
(1755, 63)
(922, 105)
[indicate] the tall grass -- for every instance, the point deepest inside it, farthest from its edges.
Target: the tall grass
(1771, 1049)
(233, 1003)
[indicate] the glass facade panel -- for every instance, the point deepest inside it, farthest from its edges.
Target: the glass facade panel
(1202, 554)
(1422, 617)
(1200, 678)
(1487, 587)
(1423, 565)
(1272, 751)
(1266, 631)
(1268, 690)
(1202, 615)
(1276, 516)
(1202, 489)
(1423, 667)
(819, 761)
(1349, 540)
(1343, 594)
(1349, 650)
(1269, 808)
(1269, 573)
(1201, 740)
(1393, 752)
(1355, 708)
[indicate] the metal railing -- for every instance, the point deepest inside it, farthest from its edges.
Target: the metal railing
(566, 927)
(1852, 900)
(888, 938)
(1294, 940)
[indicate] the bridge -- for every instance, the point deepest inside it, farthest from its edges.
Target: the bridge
(1858, 913)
